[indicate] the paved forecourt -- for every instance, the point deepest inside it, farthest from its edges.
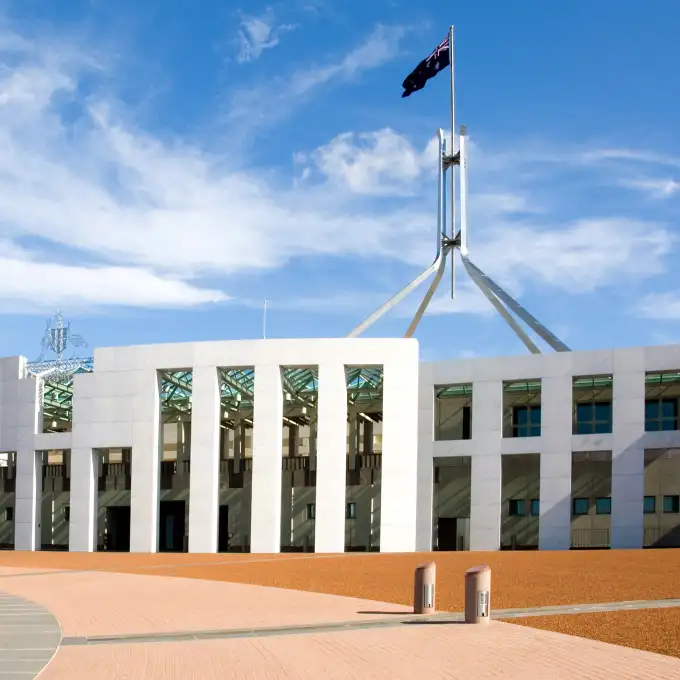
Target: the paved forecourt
(150, 627)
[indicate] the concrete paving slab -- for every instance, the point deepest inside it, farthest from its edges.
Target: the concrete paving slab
(29, 638)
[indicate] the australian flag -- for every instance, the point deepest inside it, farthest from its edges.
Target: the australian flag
(428, 68)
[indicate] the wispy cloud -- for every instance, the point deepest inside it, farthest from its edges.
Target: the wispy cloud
(125, 217)
(512, 237)
(259, 33)
(252, 107)
(659, 306)
(639, 155)
(657, 188)
(374, 163)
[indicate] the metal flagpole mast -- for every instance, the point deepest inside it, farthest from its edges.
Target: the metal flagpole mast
(452, 152)
(502, 301)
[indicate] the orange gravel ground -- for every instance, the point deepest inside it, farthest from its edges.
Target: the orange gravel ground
(654, 630)
(520, 579)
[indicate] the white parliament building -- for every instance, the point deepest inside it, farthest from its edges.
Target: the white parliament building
(333, 445)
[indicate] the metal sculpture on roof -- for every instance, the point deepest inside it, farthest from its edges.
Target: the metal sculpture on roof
(58, 336)
(56, 340)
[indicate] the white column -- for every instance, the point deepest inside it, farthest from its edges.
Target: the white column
(239, 444)
(486, 472)
(555, 492)
(628, 459)
(144, 495)
(28, 500)
(354, 436)
(399, 480)
(204, 481)
(84, 500)
(265, 517)
(331, 466)
(425, 460)
(184, 435)
(313, 431)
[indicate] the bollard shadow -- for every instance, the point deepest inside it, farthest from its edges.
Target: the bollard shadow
(434, 622)
(391, 613)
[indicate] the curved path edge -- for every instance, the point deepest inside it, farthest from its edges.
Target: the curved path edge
(30, 636)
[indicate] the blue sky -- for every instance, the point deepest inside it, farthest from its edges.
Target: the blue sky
(167, 166)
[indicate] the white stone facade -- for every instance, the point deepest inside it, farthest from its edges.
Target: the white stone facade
(117, 405)
(627, 442)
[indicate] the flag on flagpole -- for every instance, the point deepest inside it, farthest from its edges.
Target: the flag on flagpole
(428, 68)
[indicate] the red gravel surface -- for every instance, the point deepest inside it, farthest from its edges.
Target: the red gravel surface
(519, 579)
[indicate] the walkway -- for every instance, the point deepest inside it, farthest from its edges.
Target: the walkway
(29, 637)
(153, 627)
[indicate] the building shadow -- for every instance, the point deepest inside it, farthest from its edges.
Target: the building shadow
(409, 613)
(434, 622)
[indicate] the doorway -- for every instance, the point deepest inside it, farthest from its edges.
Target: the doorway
(447, 533)
(118, 528)
(171, 525)
(223, 531)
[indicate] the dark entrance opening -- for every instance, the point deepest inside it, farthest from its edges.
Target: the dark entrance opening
(171, 521)
(447, 530)
(223, 531)
(118, 528)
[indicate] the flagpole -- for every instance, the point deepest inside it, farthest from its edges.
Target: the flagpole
(452, 151)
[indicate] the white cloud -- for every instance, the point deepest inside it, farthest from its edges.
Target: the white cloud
(115, 196)
(255, 106)
(469, 299)
(659, 306)
(152, 219)
(505, 237)
(35, 286)
(257, 34)
(629, 155)
(374, 163)
(578, 257)
(658, 188)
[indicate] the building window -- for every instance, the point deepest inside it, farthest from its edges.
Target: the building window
(535, 507)
(603, 506)
(311, 511)
(594, 417)
(516, 507)
(650, 505)
(351, 511)
(453, 412)
(526, 421)
(580, 506)
(467, 422)
(671, 505)
(661, 415)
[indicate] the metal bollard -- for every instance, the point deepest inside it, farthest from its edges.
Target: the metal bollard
(423, 590)
(478, 595)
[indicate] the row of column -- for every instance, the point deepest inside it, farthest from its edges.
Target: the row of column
(556, 461)
(399, 461)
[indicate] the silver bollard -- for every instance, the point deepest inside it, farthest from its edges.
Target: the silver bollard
(423, 588)
(478, 595)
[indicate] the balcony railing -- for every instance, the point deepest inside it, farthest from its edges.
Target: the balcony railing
(52, 470)
(589, 538)
(661, 537)
(115, 469)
